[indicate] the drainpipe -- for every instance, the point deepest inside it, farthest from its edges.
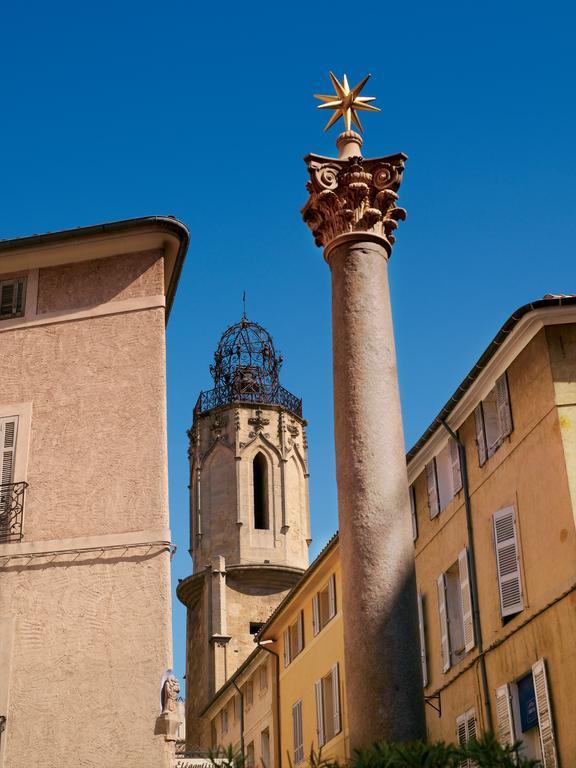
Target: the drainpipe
(278, 730)
(473, 581)
(241, 717)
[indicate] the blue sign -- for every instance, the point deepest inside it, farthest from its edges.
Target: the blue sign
(527, 702)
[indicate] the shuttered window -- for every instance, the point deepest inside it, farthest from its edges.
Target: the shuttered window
(545, 725)
(422, 634)
(298, 733)
(443, 617)
(493, 418)
(507, 562)
(324, 605)
(328, 716)
(466, 731)
(432, 487)
(466, 597)
(443, 477)
(12, 297)
(413, 512)
(505, 721)
(8, 436)
(294, 639)
(455, 609)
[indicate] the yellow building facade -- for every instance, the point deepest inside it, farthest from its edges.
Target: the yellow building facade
(495, 542)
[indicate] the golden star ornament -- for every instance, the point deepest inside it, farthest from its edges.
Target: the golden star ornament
(345, 102)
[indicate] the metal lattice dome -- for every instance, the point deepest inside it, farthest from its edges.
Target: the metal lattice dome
(246, 368)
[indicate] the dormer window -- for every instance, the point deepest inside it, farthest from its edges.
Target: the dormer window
(12, 297)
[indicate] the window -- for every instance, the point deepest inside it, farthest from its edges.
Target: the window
(224, 720)
(249, 694)
(507, 562)
(294, 639)
(466, 731)
(297, 732)
(8, 434)
(263, 674)
(493, 418)
(324, 605)
(328, 706)
(255, 627)
(12, 297)
(523, 712)
(236, 703)
(260, 478)
(443, 477)
(265, 748)
(421, 629)
(455, 612)
(413, 512)
(250, 755)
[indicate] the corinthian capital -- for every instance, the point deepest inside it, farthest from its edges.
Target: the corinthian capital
(351, 194)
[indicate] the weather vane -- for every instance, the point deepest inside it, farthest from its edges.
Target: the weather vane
(345, 102)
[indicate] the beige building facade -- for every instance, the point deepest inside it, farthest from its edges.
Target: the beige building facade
(495, 541)
(249, 520)
(85, 605)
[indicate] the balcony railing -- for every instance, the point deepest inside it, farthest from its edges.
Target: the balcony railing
(11, 511)
(219, 396)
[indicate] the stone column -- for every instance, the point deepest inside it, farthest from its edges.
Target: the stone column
(352, 214)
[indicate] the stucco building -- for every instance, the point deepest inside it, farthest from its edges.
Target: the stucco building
(85, 604)
(249, 520)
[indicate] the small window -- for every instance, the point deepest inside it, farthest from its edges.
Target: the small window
(328, 706)
(297, 733)
(12, 297)
(249, 694)
(263, 678)
(294, 639)
(265, 748)
(466, 731)
(324, 605)
(224, 719)
(255, 627)
(493, 418)
(260, 478)
(250, 755)
(455, 612)
(443, 477)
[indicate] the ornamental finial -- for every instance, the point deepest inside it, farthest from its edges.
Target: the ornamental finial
(345, 102)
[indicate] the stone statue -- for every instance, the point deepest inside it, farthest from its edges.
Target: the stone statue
(170, 691)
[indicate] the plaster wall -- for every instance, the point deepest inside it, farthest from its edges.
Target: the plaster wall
(92, 625)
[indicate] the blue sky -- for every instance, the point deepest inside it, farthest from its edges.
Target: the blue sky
(204, 111)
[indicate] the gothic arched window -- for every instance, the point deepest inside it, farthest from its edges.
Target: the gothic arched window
(260, 476)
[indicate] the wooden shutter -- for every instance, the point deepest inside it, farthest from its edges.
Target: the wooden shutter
(443, 615)
(8, 430)
(332, 597)
(336, 698)
(480, 435)
(300, 632)
(319, 713)
(432, 484)
(466, 598)
(470, 724)
(456, 469)
(503, 406)
(422, 640)
(297, 732)
(461, 730)
(505, 724)
(286, 647)
(412, 493)
(507, 561)
(315, 614)
(545, 726)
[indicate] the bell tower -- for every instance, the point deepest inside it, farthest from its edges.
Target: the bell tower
(249, 513)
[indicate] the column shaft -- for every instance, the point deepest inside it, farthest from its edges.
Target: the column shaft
(384, 685)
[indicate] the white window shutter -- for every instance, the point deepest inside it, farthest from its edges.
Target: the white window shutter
(480, 435)
(286, 647)
(505, 724)
(503, 406)
(432, 484)
(300, 631)
(466, 598)
(315, 614)
(545, 726)
(336, 698)
(297, 732)
(332, 596)
(413, 512)
(422, 640)
(8, 429)
(471, 725)
(443, 614)
(319, 713)
(507, 561)
(456, 469)
(461, 735)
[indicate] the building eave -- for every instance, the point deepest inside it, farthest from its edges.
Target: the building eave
(100, 241)
(513, 336)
